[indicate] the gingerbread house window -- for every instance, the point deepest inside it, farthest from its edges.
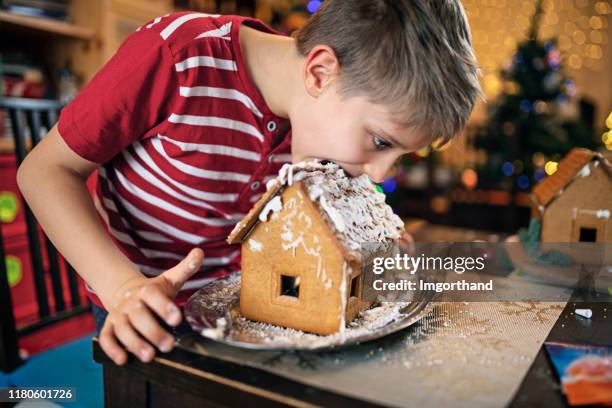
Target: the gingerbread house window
(588, 234)
(290, 286)
(354, 292)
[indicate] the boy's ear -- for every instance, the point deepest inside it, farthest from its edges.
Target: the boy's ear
(320, 69)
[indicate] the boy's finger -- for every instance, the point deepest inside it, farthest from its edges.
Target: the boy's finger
(154, 297)
(143, 321)
(110, 346)
(132, 341)
(406, 237)
(178, 275)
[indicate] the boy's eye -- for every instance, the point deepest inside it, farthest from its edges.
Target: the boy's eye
(379, 143)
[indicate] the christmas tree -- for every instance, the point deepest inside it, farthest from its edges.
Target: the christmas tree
(534, 121)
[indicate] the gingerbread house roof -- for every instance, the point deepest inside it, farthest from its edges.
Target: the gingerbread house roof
(569, 167)
(351, 206)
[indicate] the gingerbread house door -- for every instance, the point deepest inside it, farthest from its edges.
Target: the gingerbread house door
(588, 228)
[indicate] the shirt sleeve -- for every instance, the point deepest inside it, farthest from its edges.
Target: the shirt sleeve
(130, 95)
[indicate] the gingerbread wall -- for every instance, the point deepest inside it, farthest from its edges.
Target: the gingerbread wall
(294, 241)
(579, 203)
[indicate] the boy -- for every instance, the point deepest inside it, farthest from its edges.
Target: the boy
(190, 118)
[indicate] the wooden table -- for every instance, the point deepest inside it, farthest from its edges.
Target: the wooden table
(185, 378)
(182, 378)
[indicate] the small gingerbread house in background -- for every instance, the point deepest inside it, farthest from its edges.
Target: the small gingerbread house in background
(575, 202)
(301, 258)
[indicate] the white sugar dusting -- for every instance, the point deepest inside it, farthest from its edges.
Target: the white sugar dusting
(216, 332)
(367, 322)
(217, 298)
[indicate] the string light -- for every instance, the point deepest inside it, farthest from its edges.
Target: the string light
(313, 5)
(550, 167)
(469, 178)
(538, 159)
(607, 136)
(539, 174)
(424, 152)
(507, 169)
(578, 25)
(518, 166)
(389, 185)
(523, 181)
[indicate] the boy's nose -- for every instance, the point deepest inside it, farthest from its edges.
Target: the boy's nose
(376, 173)
(378, 168)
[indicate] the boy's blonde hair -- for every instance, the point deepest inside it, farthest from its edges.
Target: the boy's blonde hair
(413, 56)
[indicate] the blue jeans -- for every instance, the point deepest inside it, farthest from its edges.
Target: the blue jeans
(99, 314)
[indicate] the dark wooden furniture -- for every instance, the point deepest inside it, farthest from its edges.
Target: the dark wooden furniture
(185, 379)
(9, 358)
(28, 117)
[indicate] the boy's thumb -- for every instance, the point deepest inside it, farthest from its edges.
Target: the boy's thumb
(178, 275)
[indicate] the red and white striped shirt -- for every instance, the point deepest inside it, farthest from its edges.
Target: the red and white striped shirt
(186, 140)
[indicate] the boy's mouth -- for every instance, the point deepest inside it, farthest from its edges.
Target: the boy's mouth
(345, 168)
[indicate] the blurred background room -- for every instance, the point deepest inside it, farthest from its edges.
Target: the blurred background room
(546, 73)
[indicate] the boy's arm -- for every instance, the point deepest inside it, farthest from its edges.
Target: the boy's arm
(52, 179)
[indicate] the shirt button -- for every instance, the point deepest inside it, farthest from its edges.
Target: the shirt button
(271, 126)
(255, 185)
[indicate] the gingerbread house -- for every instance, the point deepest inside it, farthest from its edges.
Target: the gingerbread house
(575, 202)
(302, 251)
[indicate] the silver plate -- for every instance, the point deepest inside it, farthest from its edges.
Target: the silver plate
(220, 300)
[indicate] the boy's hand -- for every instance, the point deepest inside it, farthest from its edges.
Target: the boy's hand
(130, 319)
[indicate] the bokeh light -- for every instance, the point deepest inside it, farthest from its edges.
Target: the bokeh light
(469, 178)
(507, 169)
(539, 174)
(313, 5)
(550, 167)
(523, 181)
(389, 185)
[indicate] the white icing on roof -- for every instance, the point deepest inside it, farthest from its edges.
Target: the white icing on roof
(274, 205)
(352, 206)
(585, 171)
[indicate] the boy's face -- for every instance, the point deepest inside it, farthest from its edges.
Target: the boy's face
(358, 135)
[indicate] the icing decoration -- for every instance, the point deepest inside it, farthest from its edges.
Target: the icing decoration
(254, 245)
(274, 205)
